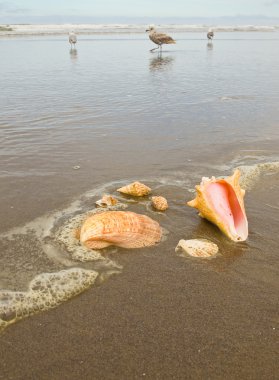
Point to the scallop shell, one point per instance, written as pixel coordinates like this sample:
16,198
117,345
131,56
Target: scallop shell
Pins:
159,203
221,201
107,200
197,247
121,228
137,189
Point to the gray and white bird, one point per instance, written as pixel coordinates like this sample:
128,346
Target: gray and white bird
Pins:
210,34
72,39
159,38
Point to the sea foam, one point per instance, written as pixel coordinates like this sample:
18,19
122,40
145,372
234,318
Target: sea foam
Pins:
60,29
250,174
68,235
45,291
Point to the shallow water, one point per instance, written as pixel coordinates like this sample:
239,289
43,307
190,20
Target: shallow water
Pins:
77,123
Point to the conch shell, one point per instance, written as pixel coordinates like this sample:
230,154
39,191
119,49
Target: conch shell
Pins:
221,201
159,203
137,189
107,200
121,228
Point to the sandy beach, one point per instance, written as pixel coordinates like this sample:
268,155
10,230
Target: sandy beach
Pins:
78,123
162,317
155,320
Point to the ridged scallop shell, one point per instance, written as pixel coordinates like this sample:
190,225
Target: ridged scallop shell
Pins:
121,228
137,189
107,200
197,247
159,203
221,201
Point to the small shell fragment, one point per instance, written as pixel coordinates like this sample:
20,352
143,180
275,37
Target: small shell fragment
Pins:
197,247
159,203
137,189
107,200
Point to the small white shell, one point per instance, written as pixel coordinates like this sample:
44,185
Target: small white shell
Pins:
107,200
197,247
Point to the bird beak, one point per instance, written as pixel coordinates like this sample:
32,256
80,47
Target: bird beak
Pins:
147,30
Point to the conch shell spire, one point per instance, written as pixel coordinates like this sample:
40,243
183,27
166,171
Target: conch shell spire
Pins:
221,201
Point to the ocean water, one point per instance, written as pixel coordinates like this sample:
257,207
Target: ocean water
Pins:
75,124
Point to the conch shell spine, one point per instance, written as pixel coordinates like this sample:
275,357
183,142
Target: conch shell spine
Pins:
221,201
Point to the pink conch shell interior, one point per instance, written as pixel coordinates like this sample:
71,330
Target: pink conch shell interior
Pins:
223,199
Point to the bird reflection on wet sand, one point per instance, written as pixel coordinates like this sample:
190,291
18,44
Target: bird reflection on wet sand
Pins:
160,62
210,46
73,54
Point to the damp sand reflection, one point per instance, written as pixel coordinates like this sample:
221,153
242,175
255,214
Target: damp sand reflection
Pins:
160,62
209,46
73,54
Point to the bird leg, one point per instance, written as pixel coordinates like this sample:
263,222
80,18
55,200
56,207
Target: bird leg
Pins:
155,48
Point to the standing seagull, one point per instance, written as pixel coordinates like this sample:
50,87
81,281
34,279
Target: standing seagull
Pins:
210,34
159,38
72,39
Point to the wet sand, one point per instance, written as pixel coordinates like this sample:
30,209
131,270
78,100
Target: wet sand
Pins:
164,316
159,319
193,111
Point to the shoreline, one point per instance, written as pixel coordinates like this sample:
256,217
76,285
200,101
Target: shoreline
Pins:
62,29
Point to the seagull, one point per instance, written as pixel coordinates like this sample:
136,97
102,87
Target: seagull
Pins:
159,38
210,34
72,39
